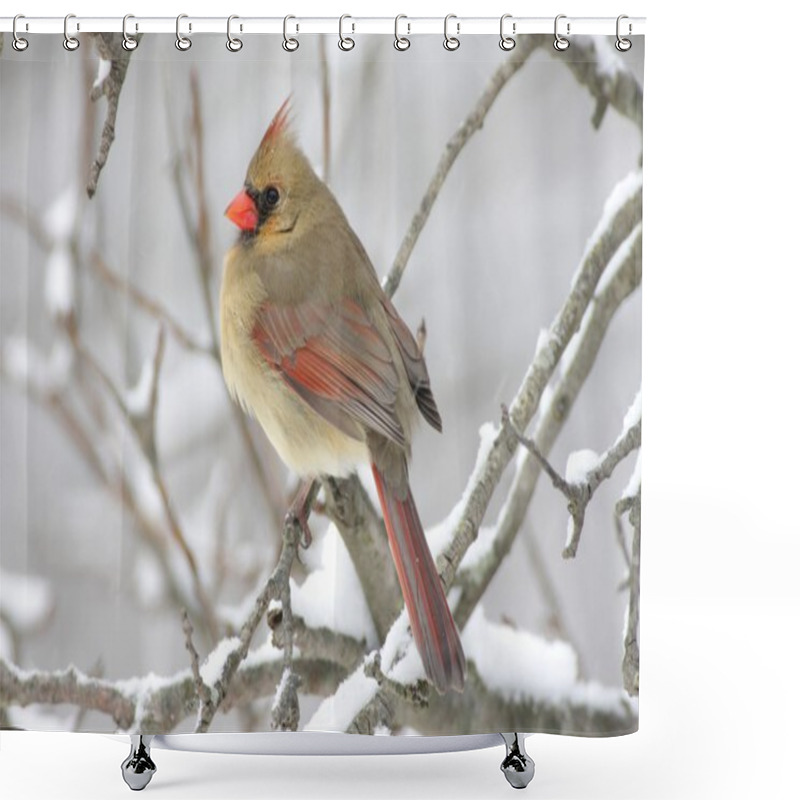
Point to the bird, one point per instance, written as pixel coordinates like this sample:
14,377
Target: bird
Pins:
313,348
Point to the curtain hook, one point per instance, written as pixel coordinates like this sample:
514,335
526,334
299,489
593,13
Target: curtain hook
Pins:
622,44
18,42
401,43
290,44
507,42
346,42
233,44
129,43
560,43
183,43
451,43
71,43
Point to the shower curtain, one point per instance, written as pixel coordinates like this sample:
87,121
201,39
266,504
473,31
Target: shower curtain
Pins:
438,244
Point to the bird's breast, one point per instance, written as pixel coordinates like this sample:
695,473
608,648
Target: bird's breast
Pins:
306,442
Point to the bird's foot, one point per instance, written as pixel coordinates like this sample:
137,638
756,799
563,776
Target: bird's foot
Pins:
298,513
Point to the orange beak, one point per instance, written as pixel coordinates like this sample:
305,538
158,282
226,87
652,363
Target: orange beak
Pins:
242,212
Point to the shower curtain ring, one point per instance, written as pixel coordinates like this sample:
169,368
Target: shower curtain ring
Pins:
401,43
290,44
560,43
451,43
622,44
507,42
19,43
71,43
183,43
233,44
129,43
346,42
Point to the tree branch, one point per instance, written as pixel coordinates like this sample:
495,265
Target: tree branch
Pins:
625,280
519,55
580,492
608,79
364,536
110,49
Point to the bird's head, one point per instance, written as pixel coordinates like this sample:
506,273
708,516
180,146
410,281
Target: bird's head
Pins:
279,186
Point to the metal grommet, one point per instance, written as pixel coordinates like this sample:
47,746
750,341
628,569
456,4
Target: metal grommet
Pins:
507,42
128,42
622,44
346,42
18,42
233,44
560,42
183,43
290,44
70,43
401,43
451,43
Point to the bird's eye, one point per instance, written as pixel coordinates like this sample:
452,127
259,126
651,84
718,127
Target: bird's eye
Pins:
272,195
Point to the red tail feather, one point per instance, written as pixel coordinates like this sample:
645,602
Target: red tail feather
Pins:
432,624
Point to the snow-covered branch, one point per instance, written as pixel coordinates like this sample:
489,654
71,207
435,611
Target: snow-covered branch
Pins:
364,535
576,364
631,503
114,60
596,65
586,471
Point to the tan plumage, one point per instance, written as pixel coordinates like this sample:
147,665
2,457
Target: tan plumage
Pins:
313,348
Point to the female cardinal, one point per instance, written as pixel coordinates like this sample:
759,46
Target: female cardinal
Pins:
314,349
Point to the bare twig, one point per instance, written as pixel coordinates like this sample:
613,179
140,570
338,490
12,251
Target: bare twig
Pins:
110,48
203,691
149,305
525,46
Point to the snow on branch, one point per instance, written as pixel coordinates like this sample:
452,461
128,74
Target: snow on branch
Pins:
555,406
114,60
586,470
598,67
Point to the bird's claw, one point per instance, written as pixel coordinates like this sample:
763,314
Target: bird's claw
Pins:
298,521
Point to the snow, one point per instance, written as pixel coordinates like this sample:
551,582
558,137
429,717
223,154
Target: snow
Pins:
26,601
266,653
518,663
620,194
332,596
579,465
148,578
619,257
103,70
137,399
25,364
281,687
59,219
59,281
440,535
608,62
336,712
633,414
211,669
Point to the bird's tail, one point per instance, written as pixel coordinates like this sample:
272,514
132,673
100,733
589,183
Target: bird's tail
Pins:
432,624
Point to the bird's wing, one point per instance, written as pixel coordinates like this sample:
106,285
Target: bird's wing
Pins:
414,364
335,359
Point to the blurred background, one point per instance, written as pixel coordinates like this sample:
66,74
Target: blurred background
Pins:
490,270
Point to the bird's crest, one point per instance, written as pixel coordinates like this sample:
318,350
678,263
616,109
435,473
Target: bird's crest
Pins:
279,125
